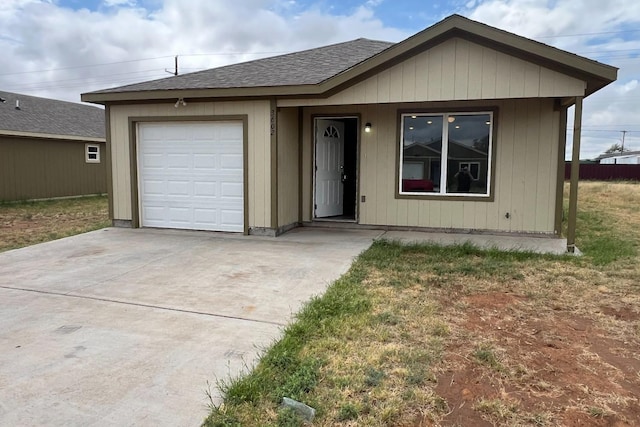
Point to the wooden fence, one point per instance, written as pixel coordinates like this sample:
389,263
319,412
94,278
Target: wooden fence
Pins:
597,172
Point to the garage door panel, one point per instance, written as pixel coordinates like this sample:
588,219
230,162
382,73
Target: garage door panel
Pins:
202,189
191,175
178,161
206,161
152,131
230,133
153,161
230,190
153,187
206,216
231,218
168,131
231,162
154,213
202,131
179,188
180,215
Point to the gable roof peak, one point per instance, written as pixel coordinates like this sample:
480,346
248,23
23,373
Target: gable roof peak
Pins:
319,70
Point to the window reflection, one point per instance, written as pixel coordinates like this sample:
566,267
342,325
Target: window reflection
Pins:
422,148
466,153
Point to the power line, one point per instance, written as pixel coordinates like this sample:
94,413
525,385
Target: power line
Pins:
616,125
588,34
84,66
136,60
280,52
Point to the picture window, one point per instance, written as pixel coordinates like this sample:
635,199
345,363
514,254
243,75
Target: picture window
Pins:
446,154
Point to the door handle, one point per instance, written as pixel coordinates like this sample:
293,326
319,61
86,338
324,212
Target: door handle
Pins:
343,178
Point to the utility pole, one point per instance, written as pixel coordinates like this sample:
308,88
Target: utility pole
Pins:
175,69
624,132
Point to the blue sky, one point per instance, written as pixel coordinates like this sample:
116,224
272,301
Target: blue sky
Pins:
62,48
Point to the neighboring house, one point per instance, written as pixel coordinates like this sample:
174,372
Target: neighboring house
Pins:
50,148
626,158
342,132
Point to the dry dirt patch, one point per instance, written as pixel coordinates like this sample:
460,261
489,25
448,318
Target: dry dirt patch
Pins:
552,367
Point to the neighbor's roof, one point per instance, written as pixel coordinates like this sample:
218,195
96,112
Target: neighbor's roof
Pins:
42,117
618,154
318,72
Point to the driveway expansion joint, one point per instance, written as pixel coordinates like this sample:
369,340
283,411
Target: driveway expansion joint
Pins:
136,304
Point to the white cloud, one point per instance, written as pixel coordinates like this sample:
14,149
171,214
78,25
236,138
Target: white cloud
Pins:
112,3
38,35
604,33
627,87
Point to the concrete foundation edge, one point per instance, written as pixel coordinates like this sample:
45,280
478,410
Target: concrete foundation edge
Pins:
122,223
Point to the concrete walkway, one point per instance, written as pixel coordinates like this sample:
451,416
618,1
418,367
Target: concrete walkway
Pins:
126,327
541,245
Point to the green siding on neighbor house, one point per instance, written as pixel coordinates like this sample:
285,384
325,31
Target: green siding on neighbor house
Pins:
32,168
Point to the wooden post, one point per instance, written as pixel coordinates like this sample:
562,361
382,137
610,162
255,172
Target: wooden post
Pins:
575,175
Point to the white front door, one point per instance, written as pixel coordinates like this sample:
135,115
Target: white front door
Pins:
329,167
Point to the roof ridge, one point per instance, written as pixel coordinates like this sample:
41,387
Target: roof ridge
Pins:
4,93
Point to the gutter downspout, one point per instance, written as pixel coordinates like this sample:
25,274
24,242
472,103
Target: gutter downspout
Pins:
575,175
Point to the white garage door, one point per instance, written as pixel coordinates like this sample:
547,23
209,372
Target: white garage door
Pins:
191,175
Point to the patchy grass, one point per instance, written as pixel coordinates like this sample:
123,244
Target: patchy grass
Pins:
27,223
420,335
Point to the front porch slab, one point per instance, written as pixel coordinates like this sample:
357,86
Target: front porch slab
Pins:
541,245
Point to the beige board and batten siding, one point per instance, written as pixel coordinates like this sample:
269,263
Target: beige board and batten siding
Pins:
526,153
454,70
39,168
259,166
288,167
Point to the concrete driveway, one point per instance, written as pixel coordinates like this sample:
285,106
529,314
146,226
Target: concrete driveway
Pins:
125,327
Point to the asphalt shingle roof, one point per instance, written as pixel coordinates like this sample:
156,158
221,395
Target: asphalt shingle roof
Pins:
307,67
50,116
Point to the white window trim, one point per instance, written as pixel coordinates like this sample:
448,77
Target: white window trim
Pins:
87,153
445,155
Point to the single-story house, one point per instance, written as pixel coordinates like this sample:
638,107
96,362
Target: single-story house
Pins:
50,148
342,132
625,158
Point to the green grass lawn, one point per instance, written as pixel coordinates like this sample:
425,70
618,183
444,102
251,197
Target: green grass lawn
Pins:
383,345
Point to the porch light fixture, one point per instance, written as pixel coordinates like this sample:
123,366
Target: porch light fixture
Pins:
179,102
367,127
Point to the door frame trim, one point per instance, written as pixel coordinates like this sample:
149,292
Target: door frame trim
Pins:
314,119
133,157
